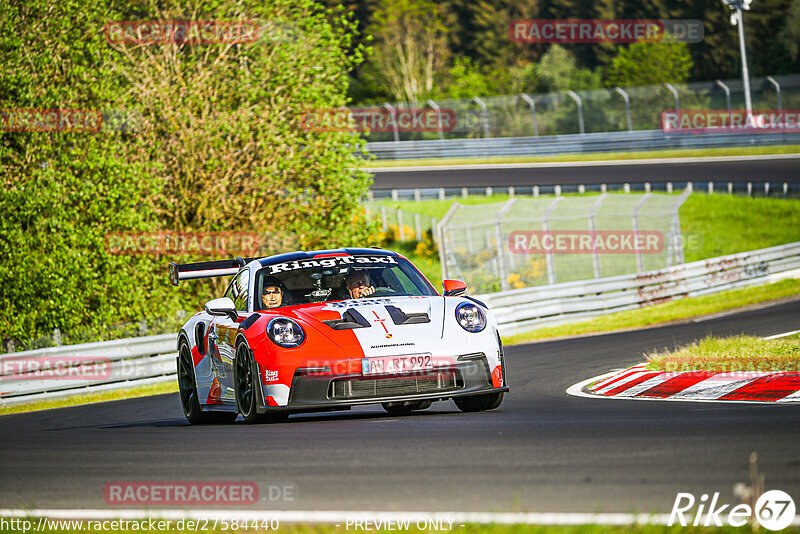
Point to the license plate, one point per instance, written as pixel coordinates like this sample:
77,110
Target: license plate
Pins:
396,364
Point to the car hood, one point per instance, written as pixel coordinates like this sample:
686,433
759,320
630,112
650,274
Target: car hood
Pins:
383,324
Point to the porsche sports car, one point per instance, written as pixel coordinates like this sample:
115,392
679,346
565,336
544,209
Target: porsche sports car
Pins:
331,329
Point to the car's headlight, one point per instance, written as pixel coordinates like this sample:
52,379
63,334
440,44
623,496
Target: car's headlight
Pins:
285,332
470,317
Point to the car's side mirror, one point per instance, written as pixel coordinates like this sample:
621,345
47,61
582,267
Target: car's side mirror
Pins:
222,307
453,288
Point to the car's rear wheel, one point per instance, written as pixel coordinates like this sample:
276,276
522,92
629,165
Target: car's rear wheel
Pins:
479,403
405,408
246,384
188,392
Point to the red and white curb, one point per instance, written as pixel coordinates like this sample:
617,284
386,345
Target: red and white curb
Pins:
639,382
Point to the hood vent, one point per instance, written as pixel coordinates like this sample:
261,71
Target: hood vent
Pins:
398,317
350,319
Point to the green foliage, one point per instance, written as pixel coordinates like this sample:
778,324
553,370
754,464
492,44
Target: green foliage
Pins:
649,64
559,71
217,143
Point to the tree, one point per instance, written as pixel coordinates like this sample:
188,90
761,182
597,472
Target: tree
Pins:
218,142
646,63
410,53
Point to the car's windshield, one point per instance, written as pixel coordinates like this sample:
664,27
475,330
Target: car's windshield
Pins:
337,278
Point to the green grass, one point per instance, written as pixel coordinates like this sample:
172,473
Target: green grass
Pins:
602,156
129,393
667,311
737,353
468,529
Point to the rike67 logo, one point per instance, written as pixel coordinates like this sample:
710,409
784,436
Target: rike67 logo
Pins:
774,510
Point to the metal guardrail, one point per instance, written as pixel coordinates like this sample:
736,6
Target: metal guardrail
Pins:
91,367
74,369
522,310
571,144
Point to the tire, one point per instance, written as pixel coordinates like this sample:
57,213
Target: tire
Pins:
188,393
245,384
479,403
405,408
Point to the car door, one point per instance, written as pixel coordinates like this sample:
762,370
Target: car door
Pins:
224,331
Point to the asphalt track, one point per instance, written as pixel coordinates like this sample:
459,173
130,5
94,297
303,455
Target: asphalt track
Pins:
542,450
776,170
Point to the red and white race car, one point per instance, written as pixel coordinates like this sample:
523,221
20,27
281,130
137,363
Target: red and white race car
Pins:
328,330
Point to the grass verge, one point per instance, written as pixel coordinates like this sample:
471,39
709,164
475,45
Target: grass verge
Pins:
129,393
666,312
737,353
601,156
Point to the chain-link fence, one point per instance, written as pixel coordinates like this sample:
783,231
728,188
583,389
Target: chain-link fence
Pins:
574,112
538,241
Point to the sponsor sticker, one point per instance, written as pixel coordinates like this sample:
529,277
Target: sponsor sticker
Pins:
334,261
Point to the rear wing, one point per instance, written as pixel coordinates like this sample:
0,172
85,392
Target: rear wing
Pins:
205,269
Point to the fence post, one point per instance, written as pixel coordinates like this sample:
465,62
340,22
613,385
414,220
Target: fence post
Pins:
384,222
636,209
395,131
551,264
535,191
772,80
400,229
603,188
143,327
370,195
434,231
626,187
464,192
489,191
727,100
749,189
647,187
785,189
669,187
532,104
578,101
394,195
581,189
57,337
674,95
417,227
627,107
730,188
416,194
766,189
484,116
593,229
441,193
557,190
435,107
511,191
710,188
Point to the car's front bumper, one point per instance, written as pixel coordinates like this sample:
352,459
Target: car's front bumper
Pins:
470,375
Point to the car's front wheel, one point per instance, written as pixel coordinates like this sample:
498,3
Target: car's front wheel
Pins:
188,392
246,383
479,403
